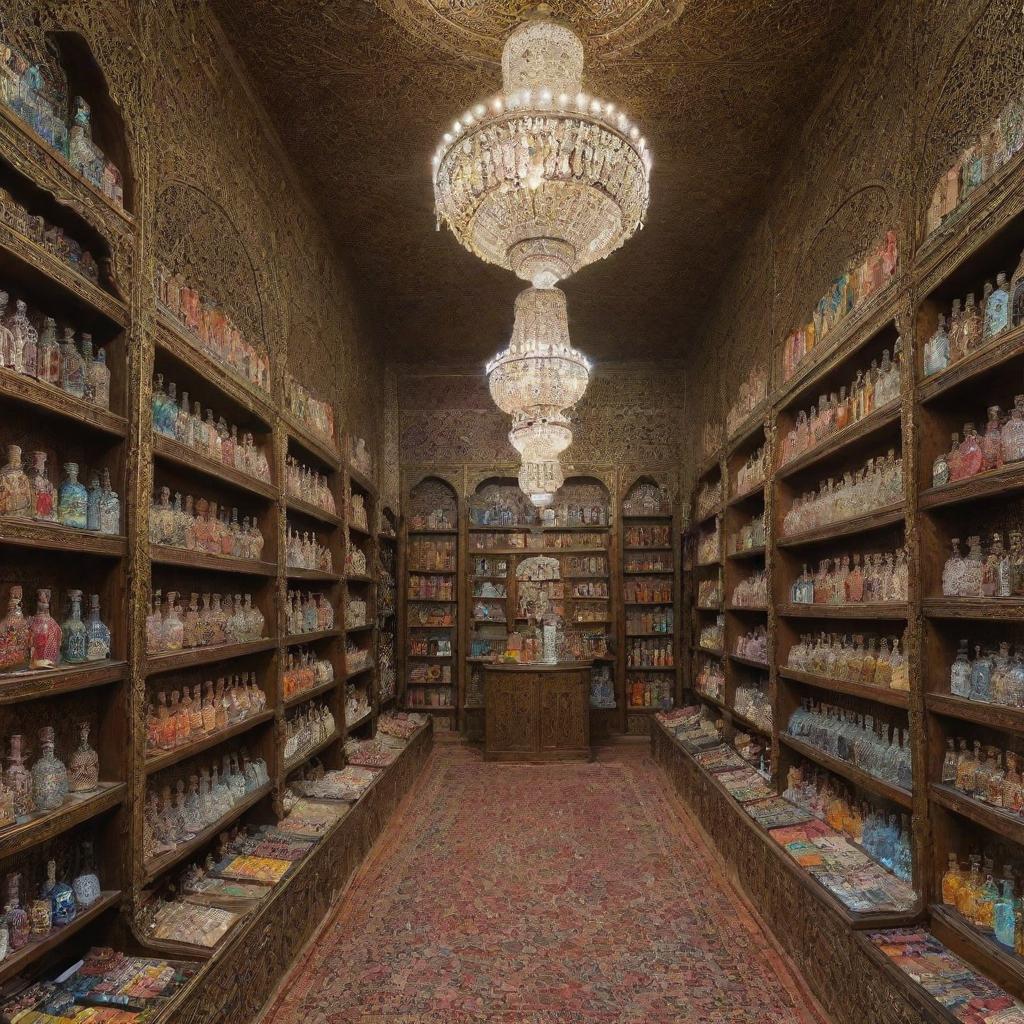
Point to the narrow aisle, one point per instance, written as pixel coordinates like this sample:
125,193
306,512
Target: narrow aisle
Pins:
541,895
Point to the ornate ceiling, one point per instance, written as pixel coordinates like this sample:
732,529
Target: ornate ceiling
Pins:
360,92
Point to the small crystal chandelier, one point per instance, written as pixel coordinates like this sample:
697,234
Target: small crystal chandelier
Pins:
542,180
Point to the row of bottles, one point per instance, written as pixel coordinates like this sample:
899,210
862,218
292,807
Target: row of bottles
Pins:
490,567
648,537
304,551
314,413
711,679
712,637
972,326
647,591
356,612
883,579
835,656
753,645
305,671
654,653
709,592
308,485
753,472
209,437
355,561
751,592
709,545
851,290
654,561
995,573
993,677
305,728
307,613
984,773
655,620
427,555
73,366
649,690
884,837
431,614
484,611
754,703
54,907
206,622
587,589
356,657
584,566
430,645
750,393
26,793
212,325
97,508
434,519
432,588
357,513
990,907
879,749
211,794
357,704
179,718
748,536
429,697
709,499
878,483
200,525
871,389
1002,442
647,499
40,642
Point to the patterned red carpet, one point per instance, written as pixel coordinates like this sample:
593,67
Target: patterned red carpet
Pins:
541,895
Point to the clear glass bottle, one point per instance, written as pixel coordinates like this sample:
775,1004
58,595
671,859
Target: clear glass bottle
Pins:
74,639
72,366
97,633
84,768
15,489
48,354
18,923
86,884
49,776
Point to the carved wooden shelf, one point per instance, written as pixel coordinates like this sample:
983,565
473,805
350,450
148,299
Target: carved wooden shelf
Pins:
1005,823
747,724
995,716
636,572
737,556
54,537
642,604
425,532
175,338
31,685
310,638
714,651
757,491
749,662
751,426
1003,608
165,555
639,517
879,694
169,450
751,609
717,701
314,444
629,633
888,515
75,810
369,667
313,511
361,530
890,610
205,655
319,575
154,868
310,752
364,718
1005,347
368,625
18,960
361,480
75,285
29,391
314,691
707,517
951,927
850,772
163,758
997,482
875,422
652,668
647,547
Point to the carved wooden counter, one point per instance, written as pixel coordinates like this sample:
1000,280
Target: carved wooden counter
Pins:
537,712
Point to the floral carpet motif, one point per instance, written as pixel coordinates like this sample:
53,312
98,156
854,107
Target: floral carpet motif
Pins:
557,894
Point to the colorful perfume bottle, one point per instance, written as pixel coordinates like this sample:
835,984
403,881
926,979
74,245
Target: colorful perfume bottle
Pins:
98,635
15,489
61,896
44,498
17,920
14,635
84,768
45,634
74,639
49,776
74,500
86,884
19,780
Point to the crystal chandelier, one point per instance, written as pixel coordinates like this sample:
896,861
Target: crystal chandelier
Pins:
542,180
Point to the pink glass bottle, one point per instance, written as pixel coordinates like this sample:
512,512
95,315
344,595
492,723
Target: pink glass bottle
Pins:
14,635
45,634
44,503
992,442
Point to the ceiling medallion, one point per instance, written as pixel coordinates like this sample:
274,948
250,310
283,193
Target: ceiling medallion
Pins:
541,180
477,29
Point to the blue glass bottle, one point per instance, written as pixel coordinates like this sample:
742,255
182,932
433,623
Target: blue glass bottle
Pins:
62,899
74,500
97,634
1004,916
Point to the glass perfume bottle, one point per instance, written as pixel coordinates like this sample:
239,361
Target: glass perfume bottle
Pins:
173,627
63,908
15,489
72,366
84,768
97,633
75,640
86,884
109,507
74,500
18,924
92,506
48,354
49,776
14,635
44,504
45,634
98,379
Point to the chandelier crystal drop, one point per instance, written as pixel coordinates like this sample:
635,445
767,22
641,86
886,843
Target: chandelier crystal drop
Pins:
540,479
543,179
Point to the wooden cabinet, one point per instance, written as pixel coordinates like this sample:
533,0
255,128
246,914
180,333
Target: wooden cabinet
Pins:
537,712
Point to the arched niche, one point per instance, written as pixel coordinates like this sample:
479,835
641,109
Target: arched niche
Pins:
432,505
498,501
196,239
646,496
583,500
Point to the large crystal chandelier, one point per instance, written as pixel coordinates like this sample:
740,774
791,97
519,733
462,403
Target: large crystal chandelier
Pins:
542,180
